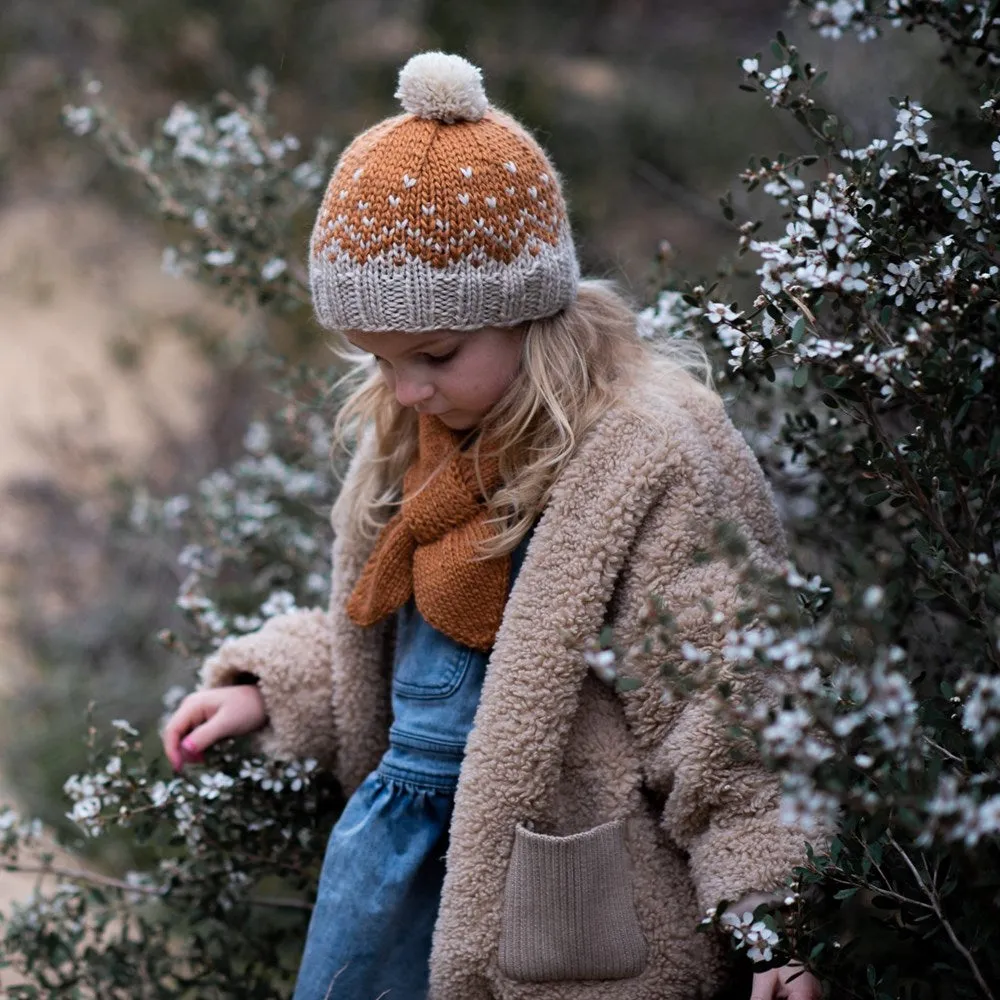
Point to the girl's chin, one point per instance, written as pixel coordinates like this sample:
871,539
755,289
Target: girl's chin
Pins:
457,421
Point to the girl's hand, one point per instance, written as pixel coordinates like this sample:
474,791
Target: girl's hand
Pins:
775,985
205,717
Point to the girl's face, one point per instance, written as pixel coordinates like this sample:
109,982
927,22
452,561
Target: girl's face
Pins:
457,375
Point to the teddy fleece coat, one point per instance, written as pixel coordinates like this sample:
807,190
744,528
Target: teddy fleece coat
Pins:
592,827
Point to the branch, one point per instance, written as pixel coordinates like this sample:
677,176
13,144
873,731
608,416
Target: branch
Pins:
106,882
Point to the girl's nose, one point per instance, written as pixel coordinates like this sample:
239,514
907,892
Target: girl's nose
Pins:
411,392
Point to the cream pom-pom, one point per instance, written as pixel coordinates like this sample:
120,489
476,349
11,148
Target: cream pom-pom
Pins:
444,87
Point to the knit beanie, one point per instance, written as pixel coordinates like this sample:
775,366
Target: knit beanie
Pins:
449,216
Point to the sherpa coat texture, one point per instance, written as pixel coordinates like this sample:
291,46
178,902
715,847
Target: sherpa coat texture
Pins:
561,770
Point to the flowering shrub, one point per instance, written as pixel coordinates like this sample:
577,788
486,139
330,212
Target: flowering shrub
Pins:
236,188
866,364
874,338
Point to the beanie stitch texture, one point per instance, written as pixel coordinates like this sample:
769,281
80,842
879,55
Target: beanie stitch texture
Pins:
447,217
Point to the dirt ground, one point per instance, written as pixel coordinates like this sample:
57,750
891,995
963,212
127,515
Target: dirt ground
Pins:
74,279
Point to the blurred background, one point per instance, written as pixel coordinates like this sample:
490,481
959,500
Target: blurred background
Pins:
112,371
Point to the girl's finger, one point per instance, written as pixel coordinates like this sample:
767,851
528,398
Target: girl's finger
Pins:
214,728
765,986
189,715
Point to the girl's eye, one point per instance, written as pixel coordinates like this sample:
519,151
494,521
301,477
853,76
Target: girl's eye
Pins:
440,359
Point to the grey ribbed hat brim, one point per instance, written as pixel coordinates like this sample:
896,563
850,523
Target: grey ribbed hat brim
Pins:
415,296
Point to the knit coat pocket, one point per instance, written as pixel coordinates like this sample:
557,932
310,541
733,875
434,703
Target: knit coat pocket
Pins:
568,910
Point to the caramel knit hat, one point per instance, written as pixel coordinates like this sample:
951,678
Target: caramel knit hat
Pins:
447,217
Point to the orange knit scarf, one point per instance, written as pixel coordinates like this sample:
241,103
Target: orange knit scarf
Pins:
428,549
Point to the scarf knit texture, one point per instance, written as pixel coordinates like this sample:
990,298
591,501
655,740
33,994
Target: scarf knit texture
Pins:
429,549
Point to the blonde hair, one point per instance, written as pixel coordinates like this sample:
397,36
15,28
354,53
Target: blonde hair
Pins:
574,367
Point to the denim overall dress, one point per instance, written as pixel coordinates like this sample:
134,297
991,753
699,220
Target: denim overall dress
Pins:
379,890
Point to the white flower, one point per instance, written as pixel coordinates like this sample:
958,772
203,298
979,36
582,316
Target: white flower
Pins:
694,655
760,950
213,784
805,806
86,808
247,623
754,935
996,149
307,175
171,263
602,662
832,18
981,711
279,603
719,311
160,792
751,66
787,732
181,120
79,120
219,258
254,772
911,119
873,597
257,439
901,277
776,81
274,268
729,336
670,317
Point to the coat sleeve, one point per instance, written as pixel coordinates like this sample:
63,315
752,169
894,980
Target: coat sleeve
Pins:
721,808
289,660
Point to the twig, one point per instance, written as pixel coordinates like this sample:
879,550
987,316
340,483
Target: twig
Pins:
691,200
942,750
939,913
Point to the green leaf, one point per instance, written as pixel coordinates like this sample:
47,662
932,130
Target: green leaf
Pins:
798,329
993,590
874,499
627,683
845,893
801,377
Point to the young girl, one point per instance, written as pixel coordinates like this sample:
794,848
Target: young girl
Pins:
526,473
